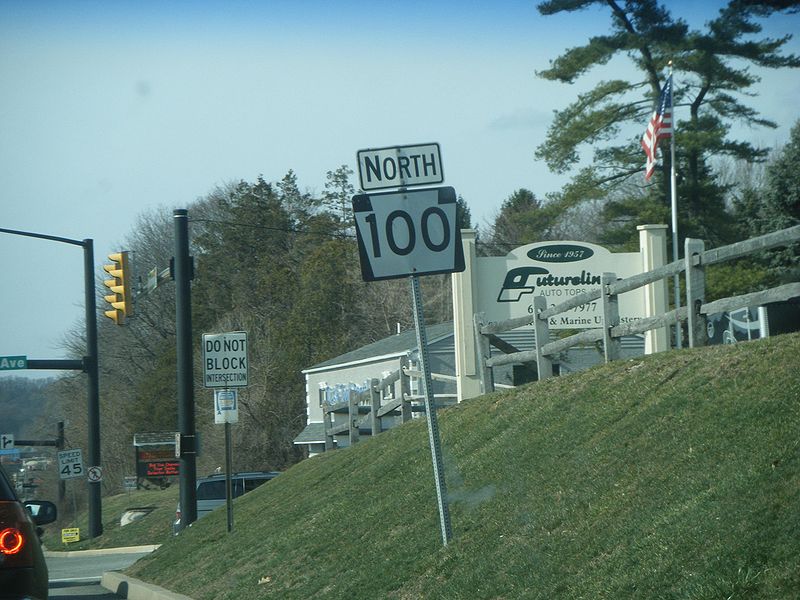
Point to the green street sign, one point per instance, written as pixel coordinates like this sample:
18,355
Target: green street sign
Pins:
8,363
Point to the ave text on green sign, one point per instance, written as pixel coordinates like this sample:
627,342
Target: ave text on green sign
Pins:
8,363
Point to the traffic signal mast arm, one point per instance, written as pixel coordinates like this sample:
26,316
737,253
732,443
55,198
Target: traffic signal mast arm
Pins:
121,298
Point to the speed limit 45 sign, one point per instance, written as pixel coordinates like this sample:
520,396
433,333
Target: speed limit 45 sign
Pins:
70,464
411,232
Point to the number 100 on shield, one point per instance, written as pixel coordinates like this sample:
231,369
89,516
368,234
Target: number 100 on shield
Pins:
406,233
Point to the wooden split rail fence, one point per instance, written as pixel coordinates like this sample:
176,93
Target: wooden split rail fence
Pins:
694,312
366,411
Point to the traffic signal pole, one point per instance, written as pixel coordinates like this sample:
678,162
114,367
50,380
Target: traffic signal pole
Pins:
88,365
95,518
182,264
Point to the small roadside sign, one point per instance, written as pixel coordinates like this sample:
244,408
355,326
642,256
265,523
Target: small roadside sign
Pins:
412,232
226,406
70,534
225,359
70,464
400,166
7,441
129,483
94,474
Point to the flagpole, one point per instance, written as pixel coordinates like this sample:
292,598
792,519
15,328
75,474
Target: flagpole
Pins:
674,206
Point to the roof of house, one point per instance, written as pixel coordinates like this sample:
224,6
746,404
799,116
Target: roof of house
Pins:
314,433
394,345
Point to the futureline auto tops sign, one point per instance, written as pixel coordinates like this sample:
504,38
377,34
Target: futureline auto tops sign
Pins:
558,271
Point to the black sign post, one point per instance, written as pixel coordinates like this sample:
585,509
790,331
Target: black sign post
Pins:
187,448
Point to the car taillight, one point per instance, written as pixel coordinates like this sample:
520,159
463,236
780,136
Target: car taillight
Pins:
16,529
11,540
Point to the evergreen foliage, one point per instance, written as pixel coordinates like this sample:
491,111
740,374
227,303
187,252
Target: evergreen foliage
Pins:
712,74
522,219
776,205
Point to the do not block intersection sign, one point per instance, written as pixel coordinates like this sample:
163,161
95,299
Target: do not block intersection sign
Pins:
225,359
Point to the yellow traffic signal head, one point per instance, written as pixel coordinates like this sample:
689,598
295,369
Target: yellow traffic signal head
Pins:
121,298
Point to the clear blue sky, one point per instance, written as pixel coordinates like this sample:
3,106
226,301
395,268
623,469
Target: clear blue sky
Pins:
110,109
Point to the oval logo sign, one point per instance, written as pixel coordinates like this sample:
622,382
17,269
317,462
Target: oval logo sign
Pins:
560,253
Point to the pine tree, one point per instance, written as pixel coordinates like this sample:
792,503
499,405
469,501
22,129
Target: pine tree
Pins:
712,74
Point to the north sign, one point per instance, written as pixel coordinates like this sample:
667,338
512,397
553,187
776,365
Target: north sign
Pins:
225,359
412,232
400,166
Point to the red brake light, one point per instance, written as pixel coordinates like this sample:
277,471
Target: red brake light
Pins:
11,540
16,530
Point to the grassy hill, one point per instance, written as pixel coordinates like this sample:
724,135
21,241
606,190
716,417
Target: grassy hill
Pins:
673,476
155,528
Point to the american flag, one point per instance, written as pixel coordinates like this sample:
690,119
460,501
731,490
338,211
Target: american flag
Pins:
660,126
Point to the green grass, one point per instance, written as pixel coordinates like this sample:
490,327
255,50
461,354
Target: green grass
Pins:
155,528
673,476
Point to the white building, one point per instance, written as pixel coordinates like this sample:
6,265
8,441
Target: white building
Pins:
332,381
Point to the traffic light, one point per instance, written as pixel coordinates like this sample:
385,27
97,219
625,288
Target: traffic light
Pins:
121,299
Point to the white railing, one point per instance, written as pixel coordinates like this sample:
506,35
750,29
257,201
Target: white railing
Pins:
367,406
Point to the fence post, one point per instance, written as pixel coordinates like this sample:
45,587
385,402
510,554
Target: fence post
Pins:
328,423
611,345
375,405
484,352
695,292
653,248
541,330
352,416
405,391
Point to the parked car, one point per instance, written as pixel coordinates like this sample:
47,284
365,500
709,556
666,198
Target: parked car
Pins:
23,571
211,491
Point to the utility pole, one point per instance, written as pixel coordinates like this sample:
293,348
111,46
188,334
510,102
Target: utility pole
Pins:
182,270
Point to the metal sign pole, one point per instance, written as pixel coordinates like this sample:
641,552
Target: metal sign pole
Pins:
430,412
228,480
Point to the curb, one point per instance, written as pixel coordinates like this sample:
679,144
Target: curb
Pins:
133,589
100,551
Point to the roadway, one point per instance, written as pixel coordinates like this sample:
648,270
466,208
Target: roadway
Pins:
77,575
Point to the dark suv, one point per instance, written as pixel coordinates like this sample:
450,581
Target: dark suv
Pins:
211,491
23,571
